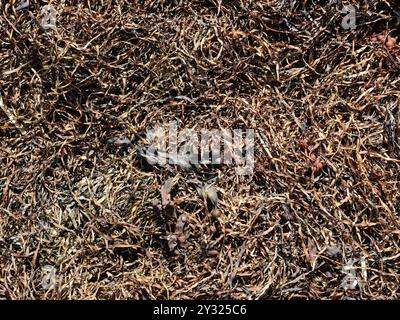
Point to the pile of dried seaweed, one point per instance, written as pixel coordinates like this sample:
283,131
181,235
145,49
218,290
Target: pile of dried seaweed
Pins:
83,215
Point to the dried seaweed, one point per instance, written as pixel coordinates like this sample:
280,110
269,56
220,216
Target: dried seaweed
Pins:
82,216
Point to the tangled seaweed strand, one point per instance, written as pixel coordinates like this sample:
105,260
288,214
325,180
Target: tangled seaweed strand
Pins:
84,216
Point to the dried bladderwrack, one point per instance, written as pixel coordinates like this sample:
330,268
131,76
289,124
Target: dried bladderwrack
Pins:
317,166
332,251
168,207
178,238
180,224
172,242
285,81
212,253
167,203
388,42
